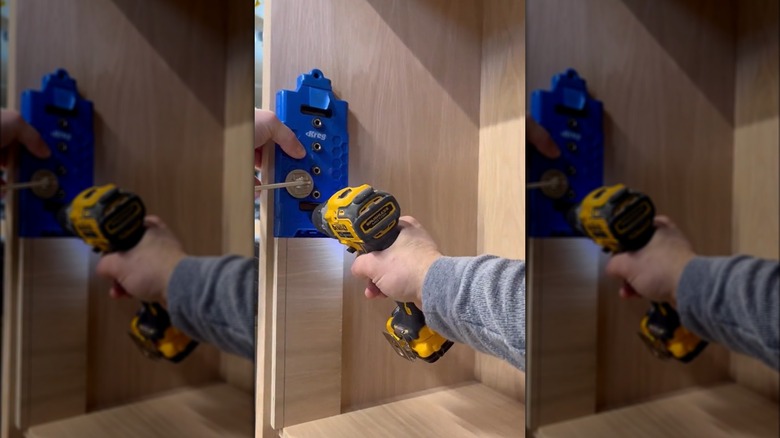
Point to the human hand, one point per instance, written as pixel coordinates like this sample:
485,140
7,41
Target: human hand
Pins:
399,271
144,271
13,130
654,271
268,128
541,139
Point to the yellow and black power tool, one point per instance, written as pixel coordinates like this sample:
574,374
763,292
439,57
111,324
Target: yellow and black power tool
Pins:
619,219
366,220
109,220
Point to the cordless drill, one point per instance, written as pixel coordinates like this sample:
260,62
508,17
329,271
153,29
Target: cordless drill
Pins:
109,220
619,219
366,220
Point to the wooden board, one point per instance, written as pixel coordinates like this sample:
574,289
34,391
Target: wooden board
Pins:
50,374
501,201
561,283
756,158
665,73
412,84
156,74
307,331
722,411
238,201
467,410
217,411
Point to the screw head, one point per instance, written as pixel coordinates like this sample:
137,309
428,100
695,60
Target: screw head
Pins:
571,146
317,123
62,146
316,194
316,170
572,123
62,123
316,147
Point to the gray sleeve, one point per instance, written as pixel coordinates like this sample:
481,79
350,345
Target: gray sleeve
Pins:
734,301
214,300
479,301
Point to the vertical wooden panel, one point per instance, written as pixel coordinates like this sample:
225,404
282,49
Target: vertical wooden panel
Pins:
410,72
238,197
756,158
501,202
155,72
665,72
562,297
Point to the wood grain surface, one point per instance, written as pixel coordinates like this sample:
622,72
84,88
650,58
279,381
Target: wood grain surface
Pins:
156,74
467,410
665,72
215,411
501,199
412,80
756,158
307,329
723,411
51,380
562,279
238,201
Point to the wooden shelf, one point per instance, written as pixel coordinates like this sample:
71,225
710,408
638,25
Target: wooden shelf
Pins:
727,410
472,409
213,411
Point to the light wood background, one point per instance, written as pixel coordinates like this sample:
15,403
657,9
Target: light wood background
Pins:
167,107
501,201
756,158
412,81
665,72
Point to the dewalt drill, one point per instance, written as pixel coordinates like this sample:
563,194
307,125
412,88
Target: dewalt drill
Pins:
109,220
619,219
365,220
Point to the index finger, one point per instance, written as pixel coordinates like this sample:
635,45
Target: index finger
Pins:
540,138
269,127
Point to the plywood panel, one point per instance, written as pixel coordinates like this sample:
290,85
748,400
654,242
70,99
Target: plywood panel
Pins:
723,411
52,377
665,72
156,74
238,210
501,202
468,410
214,411
412,83
756,158
307,329
562,280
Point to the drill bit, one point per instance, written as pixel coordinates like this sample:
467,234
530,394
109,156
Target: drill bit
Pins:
27,185
282,185
542,184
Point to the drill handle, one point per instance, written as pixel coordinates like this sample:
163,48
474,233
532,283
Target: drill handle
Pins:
383,242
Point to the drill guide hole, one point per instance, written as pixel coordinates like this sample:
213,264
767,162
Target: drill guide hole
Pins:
316,147
316,194
317,123
316,170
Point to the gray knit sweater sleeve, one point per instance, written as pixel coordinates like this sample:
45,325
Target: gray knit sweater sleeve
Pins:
214,300
734,301
479,301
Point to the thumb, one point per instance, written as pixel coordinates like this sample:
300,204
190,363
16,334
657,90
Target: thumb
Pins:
365,265
619,266
109,266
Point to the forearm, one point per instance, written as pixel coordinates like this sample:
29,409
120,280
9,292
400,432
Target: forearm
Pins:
734,301
214,300
479,301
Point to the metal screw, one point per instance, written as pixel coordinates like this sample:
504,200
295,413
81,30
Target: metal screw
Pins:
62,123
62,146
317,123
572,146
316,147
316,194
572,123
316,170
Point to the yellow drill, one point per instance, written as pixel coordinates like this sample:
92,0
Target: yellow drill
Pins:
109,220
365,220
619,219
